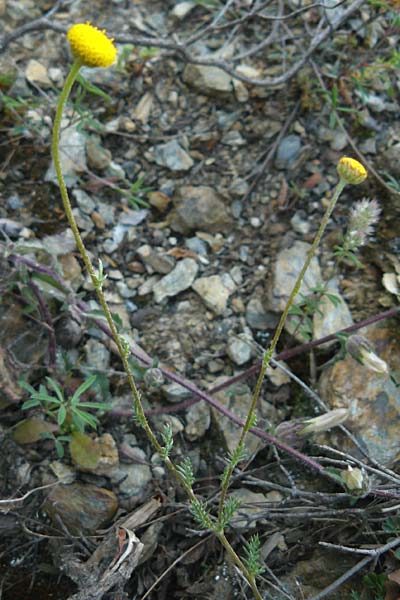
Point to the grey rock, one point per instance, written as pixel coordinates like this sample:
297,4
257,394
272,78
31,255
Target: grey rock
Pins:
84,201
199,208
182,9
178,280
136,477
339,141
256,315
198,418
215,291
239,350
154,261
36,73
288,151
210,81
124,290
97,355
239,187
233,138
288,265
172,156
175,393
300,223
83,221
331,317
73,156
373,399
98,156
159,422
236,398
251,504
197,245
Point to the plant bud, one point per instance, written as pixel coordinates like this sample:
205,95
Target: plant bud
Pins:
360,349
294,431
354,479
330,419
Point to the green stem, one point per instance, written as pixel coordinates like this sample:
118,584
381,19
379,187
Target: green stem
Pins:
82,250
235,558
269,353
117,339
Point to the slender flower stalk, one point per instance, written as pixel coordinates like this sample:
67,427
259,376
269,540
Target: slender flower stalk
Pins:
350,172
93,48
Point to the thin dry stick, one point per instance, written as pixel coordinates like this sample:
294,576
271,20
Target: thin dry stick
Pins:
181,48
336,584
173,565
350,140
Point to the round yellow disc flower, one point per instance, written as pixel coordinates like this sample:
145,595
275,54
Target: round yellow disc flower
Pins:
91,46
351,171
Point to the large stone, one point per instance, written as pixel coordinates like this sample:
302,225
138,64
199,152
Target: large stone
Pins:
199,209
331,316
178,280
36,73
72,154
288,265
237,398
373,399
81,508
211,81
215,291
172,156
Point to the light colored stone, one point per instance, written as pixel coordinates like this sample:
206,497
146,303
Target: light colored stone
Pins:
251,504
199,209
237,398
331,317
143,109
373,399
239,349
173,156
72,153
288,265
98,156
211,81
36,73
215,291
197,421
178,280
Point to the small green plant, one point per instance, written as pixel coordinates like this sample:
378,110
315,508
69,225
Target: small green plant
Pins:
122,59
333,98
307,306
252,558
71,413
375,583
81,110
135,192
392,181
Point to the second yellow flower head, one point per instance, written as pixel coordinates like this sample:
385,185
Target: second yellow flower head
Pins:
351,171
91,46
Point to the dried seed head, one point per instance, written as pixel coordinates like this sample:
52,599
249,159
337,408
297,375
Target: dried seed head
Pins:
351,171
91,46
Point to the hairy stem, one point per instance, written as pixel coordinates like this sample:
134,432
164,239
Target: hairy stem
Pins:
269,353
122,350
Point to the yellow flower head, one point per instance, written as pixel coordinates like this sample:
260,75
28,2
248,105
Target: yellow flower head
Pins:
91,46
351,171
